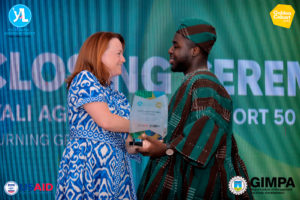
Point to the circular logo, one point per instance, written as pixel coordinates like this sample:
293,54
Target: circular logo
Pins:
11,188
237,185
19,15
158,105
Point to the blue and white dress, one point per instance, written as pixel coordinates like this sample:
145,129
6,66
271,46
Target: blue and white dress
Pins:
95,163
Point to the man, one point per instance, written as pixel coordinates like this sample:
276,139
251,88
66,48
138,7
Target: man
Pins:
199,155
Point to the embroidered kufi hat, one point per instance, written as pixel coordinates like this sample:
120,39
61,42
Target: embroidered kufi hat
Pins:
200,32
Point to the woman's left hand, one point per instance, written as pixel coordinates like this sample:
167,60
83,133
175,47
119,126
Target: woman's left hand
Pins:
130,148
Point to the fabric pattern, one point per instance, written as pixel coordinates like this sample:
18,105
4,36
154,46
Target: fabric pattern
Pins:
198,31
95,163
200,131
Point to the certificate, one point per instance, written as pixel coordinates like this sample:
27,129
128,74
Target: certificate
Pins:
149,114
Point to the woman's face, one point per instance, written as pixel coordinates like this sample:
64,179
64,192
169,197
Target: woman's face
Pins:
113,57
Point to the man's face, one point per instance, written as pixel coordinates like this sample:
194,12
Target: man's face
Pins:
180,54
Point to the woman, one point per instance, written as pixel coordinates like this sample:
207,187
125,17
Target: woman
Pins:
95,163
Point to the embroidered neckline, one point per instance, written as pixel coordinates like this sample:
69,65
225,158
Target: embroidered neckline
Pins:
193,72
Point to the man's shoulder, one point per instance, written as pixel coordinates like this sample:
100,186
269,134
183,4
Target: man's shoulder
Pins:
203,78
205,75
208,81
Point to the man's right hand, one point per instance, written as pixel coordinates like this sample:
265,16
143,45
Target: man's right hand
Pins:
152,147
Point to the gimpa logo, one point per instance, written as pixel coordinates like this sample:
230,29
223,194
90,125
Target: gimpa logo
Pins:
237,185
282,15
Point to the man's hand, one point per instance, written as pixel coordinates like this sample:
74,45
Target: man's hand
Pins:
152,147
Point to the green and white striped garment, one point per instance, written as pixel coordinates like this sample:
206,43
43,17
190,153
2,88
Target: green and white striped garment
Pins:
200,131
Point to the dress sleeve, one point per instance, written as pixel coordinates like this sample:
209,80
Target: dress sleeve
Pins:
87,89
207,122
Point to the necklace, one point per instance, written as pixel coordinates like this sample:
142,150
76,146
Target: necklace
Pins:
193,72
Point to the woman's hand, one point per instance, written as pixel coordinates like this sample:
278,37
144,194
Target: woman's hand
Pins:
130,148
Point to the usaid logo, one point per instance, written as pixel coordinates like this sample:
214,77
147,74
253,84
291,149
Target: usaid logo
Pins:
11,188
19,15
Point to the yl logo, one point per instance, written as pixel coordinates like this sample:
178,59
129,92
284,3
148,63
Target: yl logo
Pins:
19,15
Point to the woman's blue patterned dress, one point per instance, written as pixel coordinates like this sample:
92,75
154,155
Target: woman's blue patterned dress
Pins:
95,164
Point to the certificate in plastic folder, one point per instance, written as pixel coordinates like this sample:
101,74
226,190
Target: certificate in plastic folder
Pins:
149,115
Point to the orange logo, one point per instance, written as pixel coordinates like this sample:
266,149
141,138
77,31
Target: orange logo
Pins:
282,15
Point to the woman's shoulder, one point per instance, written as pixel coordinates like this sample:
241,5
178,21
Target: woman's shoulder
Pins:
85,77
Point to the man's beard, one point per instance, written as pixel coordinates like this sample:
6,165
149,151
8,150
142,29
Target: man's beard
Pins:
180,66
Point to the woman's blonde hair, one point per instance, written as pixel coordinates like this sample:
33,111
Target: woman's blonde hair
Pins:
90,56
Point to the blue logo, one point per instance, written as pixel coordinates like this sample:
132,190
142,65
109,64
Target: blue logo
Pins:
19,15
11,188
237,185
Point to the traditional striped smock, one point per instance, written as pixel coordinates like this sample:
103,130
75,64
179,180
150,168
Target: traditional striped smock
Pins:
200,130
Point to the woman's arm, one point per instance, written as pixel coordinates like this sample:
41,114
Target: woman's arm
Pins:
101,114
